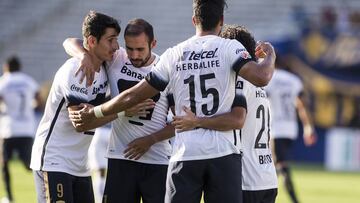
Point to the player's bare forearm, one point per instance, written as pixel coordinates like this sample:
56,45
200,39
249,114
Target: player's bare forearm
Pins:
227,121
74,47
80,125
303,113
130,97
260,73
98,122
140,146
167,132
95,123
223,122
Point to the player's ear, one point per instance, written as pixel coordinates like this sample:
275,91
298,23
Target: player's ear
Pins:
153,44
91,41
193,21
222,20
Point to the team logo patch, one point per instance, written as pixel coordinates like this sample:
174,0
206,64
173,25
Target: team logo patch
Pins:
243,53
239,85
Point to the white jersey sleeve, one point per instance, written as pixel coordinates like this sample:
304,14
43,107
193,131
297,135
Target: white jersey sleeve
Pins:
238,55
258,171
98,147
159,77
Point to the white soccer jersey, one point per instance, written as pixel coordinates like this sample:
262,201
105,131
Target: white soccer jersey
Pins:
98,147
202,71
258,172
122,76
17,91
57,146
283,90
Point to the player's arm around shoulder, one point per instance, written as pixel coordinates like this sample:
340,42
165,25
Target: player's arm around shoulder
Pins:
80,125
76,96
86,69
223,122
260,73
140,146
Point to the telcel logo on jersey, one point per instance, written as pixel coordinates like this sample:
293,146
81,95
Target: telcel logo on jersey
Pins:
197,56
75,88
191,60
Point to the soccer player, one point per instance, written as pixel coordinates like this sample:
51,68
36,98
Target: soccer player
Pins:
138,150
60,153
259,180
259,173
17,125
286,97
97,160
201,72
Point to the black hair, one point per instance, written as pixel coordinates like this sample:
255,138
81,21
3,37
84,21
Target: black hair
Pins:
137,26
208,13
95,24
241,34
13,63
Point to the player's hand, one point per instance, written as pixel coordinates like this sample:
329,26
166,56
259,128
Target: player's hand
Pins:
82,116
138,147
263,49
187,122
86,69
310,140
309,135
141,109
74,115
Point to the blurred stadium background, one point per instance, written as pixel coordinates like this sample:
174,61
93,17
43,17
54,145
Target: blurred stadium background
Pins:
317,39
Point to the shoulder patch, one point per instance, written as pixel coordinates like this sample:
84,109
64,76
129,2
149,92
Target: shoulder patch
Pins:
239,84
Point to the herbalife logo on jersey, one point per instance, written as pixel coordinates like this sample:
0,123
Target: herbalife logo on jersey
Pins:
203,54
192,60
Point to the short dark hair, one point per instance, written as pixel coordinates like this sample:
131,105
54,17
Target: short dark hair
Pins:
96,23
137,26
208,12
13,63
241,34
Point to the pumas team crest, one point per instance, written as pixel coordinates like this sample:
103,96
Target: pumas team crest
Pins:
243,53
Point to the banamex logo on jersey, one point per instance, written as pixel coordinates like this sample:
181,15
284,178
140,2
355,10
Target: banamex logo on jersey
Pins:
131,73
97,90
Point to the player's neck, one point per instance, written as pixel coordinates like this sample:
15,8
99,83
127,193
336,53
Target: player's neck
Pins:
150,61
96,61
201,32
